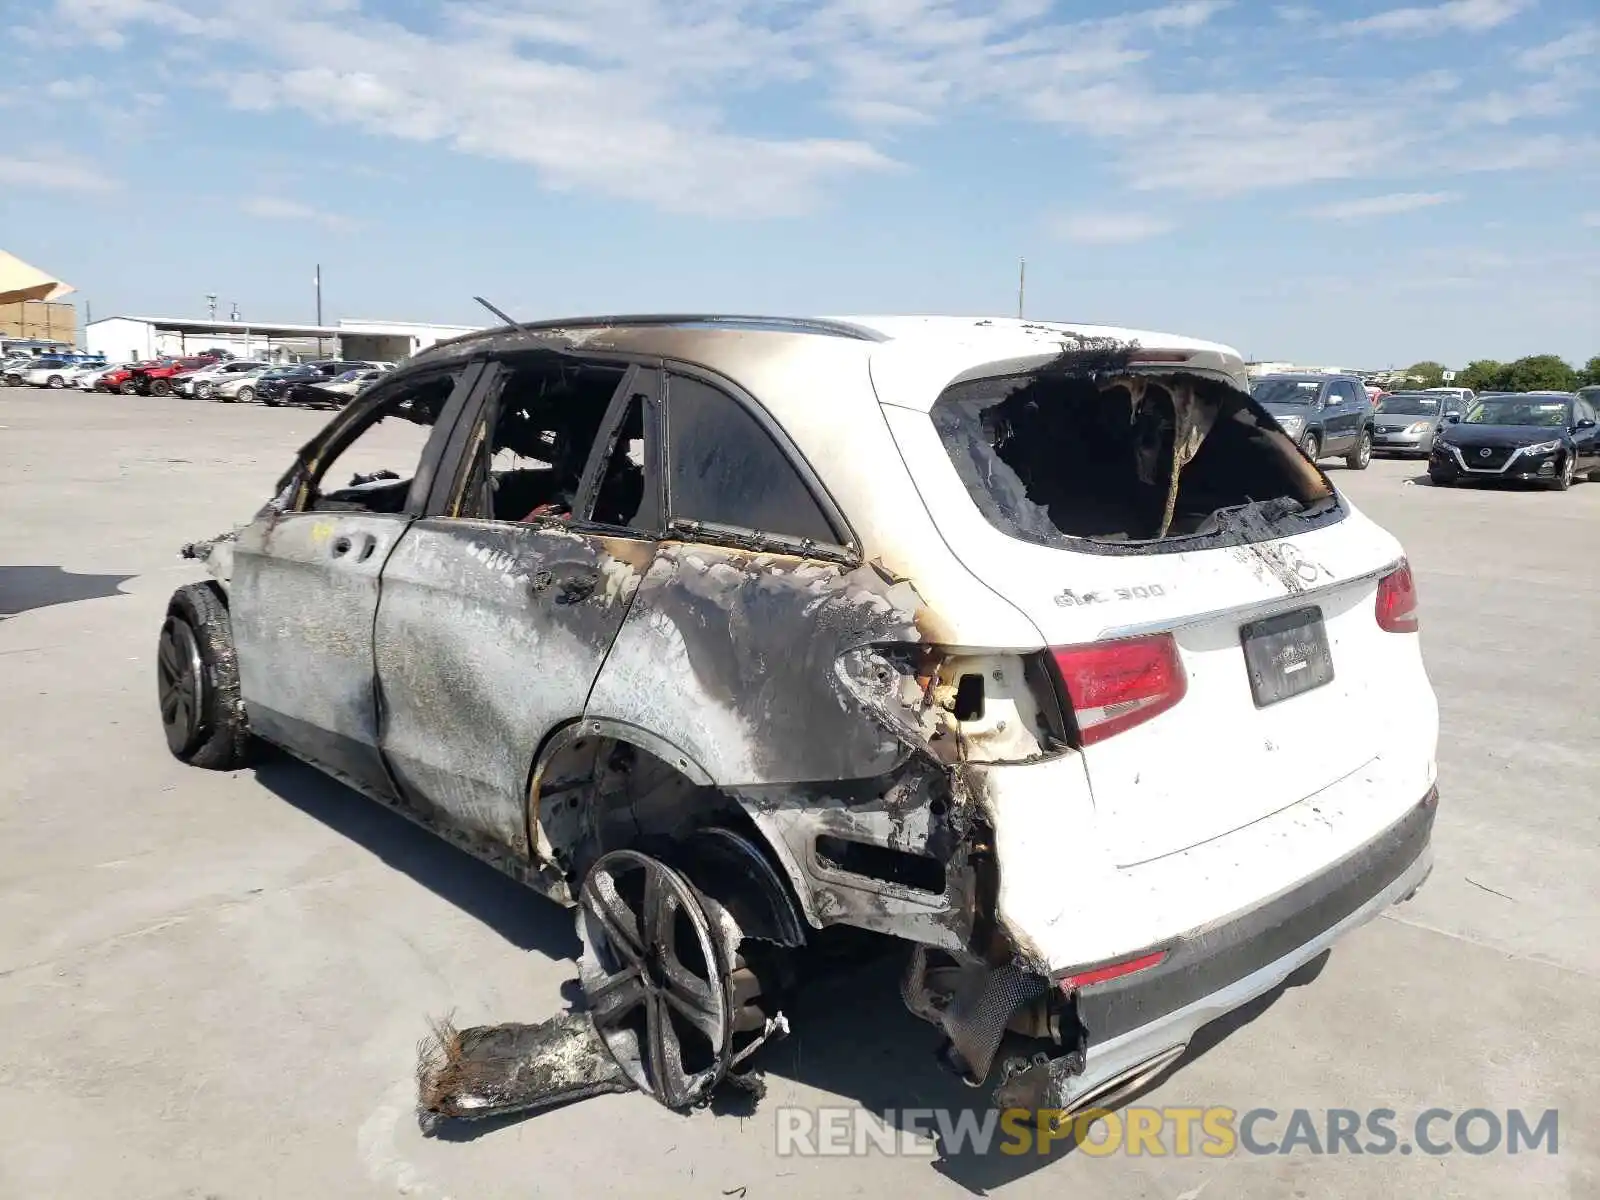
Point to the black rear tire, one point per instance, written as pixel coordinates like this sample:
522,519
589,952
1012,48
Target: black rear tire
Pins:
197,677
1359,458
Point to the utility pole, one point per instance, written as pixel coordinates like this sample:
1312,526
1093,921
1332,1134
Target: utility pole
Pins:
1022,284
317,282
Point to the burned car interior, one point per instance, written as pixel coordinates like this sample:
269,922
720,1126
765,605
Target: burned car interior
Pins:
384,489
1057,455
546,415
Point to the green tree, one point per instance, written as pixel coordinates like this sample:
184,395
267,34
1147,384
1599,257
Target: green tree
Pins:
1482,375
1540,373
1591,370
1425,374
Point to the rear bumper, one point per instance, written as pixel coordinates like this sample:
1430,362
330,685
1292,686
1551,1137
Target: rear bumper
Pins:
1148,1017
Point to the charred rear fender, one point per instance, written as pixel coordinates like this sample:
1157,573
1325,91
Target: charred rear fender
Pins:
885,855
894,856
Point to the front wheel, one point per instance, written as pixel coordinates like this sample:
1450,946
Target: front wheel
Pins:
129,388
160,387
245,394
197,682
1311,446
1565,476
55,382
1359,458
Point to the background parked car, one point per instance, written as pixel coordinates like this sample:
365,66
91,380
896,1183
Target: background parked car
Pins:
283,387
1464,396
57,370
199,383
1543,437
239,388
1407,422
337,392
93,380
118,379
1324,414
157,380
42,372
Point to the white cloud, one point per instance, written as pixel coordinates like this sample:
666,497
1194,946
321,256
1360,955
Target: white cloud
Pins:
1580,43
686,124
1108,229
1381,206
1591,220
71,89
1472,16
277,208
644,99
54,175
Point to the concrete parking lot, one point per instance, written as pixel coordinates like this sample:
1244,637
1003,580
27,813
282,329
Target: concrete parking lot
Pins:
213,985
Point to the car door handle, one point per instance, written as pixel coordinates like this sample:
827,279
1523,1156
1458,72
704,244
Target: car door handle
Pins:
360,547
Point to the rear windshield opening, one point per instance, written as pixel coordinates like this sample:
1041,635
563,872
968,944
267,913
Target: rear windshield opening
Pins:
1058,458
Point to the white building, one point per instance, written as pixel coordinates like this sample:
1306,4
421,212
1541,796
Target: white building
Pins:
123,339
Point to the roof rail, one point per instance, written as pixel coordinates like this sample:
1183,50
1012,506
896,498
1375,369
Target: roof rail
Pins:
815,325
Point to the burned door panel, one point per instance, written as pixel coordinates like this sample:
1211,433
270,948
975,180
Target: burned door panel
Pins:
303,593
733,657
489,636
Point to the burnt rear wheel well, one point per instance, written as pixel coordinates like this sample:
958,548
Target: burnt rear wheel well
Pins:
597,788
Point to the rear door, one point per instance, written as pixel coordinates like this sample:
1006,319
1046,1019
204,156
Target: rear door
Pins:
500,604
305,583
1343,417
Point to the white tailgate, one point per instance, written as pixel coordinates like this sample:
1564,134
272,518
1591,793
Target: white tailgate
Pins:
1214,762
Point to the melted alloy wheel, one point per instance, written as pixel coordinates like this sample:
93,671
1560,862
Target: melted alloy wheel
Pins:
179,680
655,979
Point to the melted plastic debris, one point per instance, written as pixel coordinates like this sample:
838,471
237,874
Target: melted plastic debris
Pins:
494,1070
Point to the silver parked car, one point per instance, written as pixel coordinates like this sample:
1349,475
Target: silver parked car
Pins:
1407,422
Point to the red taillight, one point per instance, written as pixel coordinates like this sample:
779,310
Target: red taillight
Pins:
1080,979
1397,600
1117,685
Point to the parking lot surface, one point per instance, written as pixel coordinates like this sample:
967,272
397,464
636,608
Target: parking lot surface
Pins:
213,985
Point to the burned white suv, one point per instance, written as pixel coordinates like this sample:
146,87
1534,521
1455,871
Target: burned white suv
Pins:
1037,647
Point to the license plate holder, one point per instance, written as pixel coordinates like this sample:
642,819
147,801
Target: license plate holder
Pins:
1286,655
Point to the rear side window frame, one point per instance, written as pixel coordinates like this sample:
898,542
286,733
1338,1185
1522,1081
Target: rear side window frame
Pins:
846,548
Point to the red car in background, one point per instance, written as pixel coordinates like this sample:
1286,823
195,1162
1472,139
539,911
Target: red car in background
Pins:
155,379
113,381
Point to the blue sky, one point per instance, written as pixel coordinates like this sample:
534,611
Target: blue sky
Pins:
1352,182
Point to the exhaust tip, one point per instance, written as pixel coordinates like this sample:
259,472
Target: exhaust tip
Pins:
1114,1091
